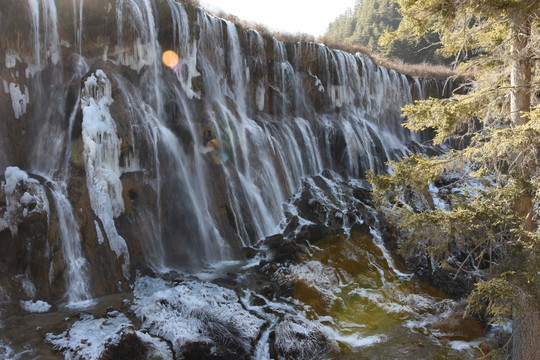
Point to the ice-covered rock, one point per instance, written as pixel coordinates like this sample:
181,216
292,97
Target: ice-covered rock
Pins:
24,197
196,317
89,338
298,338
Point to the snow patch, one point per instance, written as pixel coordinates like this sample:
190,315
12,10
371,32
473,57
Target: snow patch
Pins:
35,306
19,99
26,199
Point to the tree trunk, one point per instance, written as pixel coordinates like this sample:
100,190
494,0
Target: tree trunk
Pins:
520,99
520,67
526,338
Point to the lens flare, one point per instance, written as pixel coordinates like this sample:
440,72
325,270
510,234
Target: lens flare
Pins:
170,58
214,153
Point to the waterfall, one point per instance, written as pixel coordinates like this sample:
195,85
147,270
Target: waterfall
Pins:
179,167
77,276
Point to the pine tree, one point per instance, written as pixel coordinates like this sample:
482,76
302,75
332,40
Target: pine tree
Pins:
494,171
366,24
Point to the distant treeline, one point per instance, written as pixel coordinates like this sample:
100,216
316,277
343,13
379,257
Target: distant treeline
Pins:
367,22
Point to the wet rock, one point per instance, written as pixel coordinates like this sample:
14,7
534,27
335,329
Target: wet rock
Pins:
225,282
330,205
198,350
249,252
129,347
284,250
444,280
314,232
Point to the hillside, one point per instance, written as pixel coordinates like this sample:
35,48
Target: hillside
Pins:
366,24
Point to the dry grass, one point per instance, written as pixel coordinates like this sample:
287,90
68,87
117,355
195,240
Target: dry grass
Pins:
192,2
423,70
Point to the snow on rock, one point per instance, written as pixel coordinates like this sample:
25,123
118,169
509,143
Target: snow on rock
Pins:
14,176
195,312
35,306
24,197
89,338
102,159
19,99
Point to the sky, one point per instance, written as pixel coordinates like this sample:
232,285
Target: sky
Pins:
292,16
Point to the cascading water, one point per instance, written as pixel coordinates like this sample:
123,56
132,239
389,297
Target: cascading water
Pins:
223,138
158,168
78,280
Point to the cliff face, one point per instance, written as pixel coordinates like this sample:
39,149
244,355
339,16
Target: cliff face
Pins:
116,163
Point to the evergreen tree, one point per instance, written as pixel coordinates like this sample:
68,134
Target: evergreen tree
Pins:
370,20
495,172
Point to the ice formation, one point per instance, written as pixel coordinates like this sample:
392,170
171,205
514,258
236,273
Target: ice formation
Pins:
102,160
